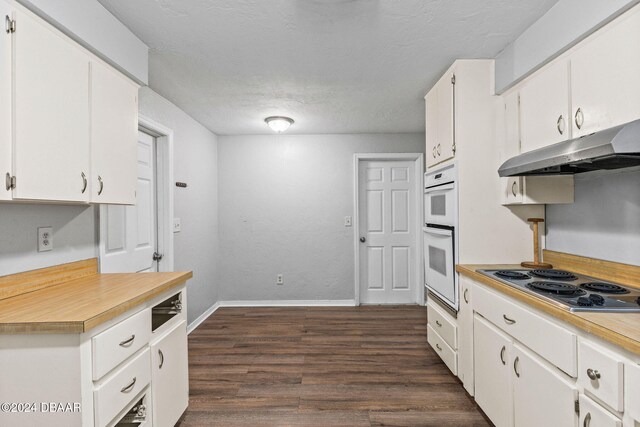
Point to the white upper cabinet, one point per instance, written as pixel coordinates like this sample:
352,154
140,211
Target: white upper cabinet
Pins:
51,114
114,131
544,107
605,83
440,123
6,171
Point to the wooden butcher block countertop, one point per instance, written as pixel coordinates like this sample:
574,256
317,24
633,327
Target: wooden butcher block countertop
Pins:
621,329
74,298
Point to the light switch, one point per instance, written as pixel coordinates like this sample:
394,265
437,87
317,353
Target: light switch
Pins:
45,239
347,221
176,225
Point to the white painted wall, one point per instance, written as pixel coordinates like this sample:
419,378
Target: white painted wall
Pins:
195,162
563,26
74,235
282,203
91,25
604,221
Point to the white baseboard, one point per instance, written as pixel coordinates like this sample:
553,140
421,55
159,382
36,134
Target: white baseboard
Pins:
204,316
290,303
270,303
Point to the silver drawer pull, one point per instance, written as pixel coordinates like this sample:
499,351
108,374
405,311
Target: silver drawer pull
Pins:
593,374
513,188
465,295
128,341
579,118
127,389
515,366
438,347
587,420
161,358
438,323
504,348
509,321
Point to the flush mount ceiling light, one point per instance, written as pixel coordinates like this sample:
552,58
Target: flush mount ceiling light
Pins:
279,123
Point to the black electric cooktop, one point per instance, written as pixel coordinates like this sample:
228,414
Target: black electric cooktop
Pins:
572,291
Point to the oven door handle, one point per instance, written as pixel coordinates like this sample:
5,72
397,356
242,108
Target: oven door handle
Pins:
442,187
438,231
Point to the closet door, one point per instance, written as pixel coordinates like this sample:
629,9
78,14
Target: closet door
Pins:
51,95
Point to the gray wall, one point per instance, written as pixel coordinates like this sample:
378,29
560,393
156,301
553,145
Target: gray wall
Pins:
283,199
564,25
195,162
604,221
74,235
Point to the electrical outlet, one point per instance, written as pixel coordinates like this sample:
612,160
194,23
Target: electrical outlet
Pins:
280,279
176,225
45,239
347,221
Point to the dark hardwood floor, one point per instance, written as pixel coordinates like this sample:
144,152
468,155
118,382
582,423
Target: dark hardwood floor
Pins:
352,366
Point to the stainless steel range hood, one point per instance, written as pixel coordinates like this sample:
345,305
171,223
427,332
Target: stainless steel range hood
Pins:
614,148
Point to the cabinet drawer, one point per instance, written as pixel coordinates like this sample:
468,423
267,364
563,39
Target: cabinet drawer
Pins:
446,353
632,392
118,391
555,344
116,344
601,373
592,414
442,324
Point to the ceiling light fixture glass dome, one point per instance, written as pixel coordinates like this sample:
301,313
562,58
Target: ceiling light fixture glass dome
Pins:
279,123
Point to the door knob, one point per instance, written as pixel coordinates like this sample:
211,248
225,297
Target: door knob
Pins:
363,239
157,256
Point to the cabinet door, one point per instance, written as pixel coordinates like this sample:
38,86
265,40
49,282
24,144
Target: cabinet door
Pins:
465,336
169,376
544,107
592,414
604,76
492,370
5,106
541,394
51,95
431,126
114,132
445,143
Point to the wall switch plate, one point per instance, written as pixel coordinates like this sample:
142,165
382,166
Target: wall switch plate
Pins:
176,225
347,221
280,279
45,239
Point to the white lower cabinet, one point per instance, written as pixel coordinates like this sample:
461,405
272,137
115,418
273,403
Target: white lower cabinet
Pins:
542,395
592,414
465,336
169,376
492,372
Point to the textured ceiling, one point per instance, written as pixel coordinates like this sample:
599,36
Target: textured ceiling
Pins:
334,66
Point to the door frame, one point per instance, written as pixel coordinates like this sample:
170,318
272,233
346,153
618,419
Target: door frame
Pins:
164,188
419,187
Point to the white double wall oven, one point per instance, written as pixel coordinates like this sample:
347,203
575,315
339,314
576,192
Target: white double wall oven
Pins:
439,233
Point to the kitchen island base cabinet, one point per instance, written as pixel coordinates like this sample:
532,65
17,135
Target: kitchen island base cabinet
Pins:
170,377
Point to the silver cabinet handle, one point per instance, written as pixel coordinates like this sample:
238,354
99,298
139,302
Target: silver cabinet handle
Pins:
579,118
438,149
593,374
434,152
587,420
8,182
513,188
127,388
504,348
464,295
84,182
128,341
363,239
101,185
438,347
161,359
515,366
560,124
509,321
439,324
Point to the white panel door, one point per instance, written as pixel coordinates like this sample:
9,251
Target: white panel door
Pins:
114,132
170,376
5,106
604,76
542,396
387,223
544,107
128,233
51,114
492,370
